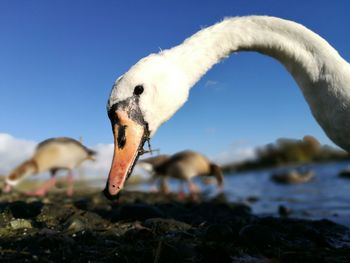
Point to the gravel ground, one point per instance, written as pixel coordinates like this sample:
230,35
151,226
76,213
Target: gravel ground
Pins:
151,227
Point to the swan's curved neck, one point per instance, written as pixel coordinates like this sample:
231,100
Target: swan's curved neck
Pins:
313,63
298,48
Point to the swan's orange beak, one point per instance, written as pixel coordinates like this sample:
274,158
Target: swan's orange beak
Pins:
129,137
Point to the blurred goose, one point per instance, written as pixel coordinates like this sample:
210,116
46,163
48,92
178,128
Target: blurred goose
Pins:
292,177
158,85
149,164
51,155
184,166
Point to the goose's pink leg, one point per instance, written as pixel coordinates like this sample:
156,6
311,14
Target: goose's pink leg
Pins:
70,183
42,191
7,188
181,194
194,190
163,185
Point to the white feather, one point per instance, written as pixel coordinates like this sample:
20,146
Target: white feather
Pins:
321,73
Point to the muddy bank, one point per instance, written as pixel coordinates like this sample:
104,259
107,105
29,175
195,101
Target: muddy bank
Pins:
149,227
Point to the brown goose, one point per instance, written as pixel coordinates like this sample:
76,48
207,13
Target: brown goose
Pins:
184,166
149,165
51,155
292,177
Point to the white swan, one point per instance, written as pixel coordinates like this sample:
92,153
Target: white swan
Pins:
158,85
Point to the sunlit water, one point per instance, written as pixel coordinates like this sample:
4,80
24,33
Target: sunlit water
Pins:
325,196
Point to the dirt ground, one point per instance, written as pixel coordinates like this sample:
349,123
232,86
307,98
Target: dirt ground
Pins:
151,227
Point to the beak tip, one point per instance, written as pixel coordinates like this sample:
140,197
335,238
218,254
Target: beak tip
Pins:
110,196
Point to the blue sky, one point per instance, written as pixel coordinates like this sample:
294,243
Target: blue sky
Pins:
59,59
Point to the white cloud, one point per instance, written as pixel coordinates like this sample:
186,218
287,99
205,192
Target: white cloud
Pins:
211,130
214,85
99,169
237,152
13,151
210,83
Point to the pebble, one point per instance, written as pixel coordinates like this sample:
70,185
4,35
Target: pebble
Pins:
252,199
284,211
20,223
76,225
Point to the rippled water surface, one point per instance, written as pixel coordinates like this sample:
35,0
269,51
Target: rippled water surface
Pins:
326,196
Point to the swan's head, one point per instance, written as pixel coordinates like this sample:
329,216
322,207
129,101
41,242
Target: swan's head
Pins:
141,100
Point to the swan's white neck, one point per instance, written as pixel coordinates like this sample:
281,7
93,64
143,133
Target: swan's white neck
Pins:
319,70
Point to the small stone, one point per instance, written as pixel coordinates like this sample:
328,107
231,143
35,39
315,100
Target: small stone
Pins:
20,223
252,199
284,211
46,201
76,225
47,231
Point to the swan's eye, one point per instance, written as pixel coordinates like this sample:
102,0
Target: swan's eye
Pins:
138,90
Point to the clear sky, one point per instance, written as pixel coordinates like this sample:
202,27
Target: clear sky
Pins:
59,59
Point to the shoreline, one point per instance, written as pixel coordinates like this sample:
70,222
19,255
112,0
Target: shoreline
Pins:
151,227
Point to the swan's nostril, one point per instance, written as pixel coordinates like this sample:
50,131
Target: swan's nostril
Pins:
109,195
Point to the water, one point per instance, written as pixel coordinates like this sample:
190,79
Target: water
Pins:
325,196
